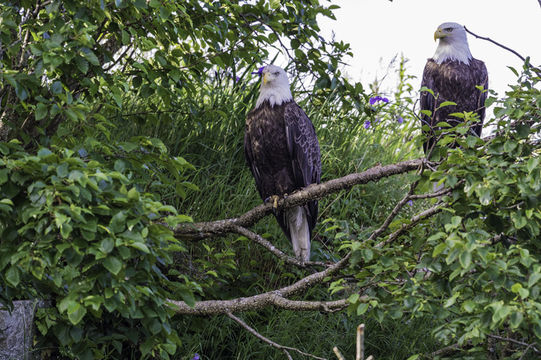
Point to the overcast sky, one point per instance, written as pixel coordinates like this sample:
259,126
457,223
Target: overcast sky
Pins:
379,29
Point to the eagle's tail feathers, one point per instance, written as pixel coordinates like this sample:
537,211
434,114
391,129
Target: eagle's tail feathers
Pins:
300,232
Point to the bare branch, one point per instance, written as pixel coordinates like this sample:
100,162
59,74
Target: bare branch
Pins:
270,342
394,212
446,350
529,346
277,298
338,353
311,192
273,249
504,47
414,221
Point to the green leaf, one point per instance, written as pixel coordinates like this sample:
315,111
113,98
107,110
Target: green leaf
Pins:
361,308
534,278
515,319
13,276
118,222
3,176
465,259
41,111
140,246
112,264
107,245
446,103
90,56
76,312
439,249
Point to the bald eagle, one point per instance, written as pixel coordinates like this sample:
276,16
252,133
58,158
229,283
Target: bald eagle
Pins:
453,75
282,151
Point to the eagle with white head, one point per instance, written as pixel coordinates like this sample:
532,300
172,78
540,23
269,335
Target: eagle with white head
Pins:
453,74
282,151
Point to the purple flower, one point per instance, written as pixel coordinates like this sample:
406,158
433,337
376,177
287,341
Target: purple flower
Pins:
237,79
400,120
367,124
410,202
259,71
375,99
196,356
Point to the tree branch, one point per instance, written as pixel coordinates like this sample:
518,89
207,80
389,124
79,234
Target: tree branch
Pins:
275,298
414,221
270,342
312,192
504,47
529,346
273,249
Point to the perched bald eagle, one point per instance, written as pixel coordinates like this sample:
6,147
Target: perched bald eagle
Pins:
282,151
453,75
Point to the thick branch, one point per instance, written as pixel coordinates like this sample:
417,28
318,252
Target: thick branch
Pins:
312,192
275,298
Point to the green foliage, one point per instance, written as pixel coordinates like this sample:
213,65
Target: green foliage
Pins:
83,237
68,62
129,115
475,268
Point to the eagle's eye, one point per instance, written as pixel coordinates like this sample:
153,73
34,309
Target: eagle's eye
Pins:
276,73
449,29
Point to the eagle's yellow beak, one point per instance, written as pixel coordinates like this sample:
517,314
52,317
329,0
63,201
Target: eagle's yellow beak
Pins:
265,78
439,34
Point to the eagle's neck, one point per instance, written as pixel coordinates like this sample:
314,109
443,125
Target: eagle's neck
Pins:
275,95
453,50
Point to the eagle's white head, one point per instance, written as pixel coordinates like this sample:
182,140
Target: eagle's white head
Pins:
453,43
274,86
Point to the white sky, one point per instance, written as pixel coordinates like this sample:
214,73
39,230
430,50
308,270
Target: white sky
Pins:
379,29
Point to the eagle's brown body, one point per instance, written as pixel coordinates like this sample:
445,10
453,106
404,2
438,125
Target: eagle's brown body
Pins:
455,81
282,151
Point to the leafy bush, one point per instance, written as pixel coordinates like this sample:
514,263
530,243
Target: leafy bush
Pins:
83,237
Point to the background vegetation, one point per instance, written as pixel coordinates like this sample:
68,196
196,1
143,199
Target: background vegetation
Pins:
122,119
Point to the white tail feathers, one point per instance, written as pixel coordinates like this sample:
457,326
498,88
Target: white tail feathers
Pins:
300,232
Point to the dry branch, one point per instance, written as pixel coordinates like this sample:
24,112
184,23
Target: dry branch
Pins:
273,249
270,342
414,221
313,192
277,298
505,48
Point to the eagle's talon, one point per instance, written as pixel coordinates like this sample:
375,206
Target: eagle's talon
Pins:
274,199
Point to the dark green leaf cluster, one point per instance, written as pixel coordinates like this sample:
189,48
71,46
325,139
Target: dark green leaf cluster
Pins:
82,237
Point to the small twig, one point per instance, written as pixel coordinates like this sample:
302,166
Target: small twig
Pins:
273,249
269,341
414,221
504,47
338,353
445,350
501,338
394,212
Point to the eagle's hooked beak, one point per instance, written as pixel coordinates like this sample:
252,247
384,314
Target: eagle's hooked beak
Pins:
265,78
439,34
